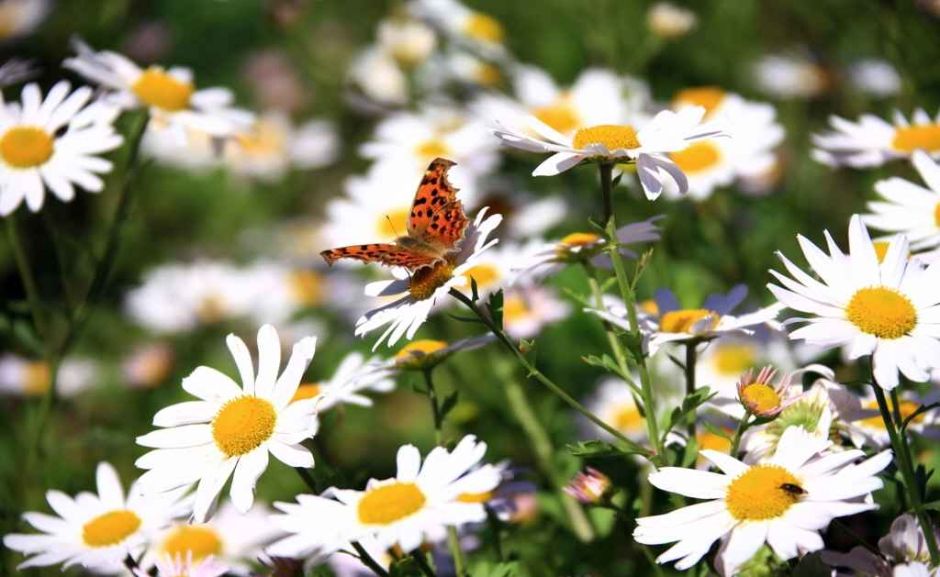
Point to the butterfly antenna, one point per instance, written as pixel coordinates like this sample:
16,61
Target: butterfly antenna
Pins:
392,224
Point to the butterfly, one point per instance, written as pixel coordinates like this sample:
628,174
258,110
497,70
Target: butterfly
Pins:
436,226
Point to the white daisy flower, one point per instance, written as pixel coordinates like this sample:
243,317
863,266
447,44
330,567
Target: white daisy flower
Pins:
231,429
875,77
811,411
148,365
466,70
910,208
791,76
231,537
186,567
901,553
667,322
784,502
476,30
378,77
413,140
415,506
354,376
872,141
669,21
410,42
31,378
170,94
889,310
858,418
598,96
752,133
272,145
647,145
94,531
418,294
54,143
20,17
423,354
615,404
376,206
527,309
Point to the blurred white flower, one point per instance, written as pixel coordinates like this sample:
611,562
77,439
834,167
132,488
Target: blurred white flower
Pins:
902,552
875,77
377,75
477,31
148,366
271,145
790,76
528,308
29,378
410,42
53,143
185,567
858,418
20,17
872,141
354,376
669,21
909,208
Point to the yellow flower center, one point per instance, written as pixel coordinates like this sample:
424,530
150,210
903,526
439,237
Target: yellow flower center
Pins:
760,398
306,391
26,146
649,307
708,97
484,28
306,287
432,148
881,249
483,497
242,425
697,157
580,239
920,137
200,541
265,138
882,312
733,359
907,409
611,136
560,115
110,528
211,309
389,503
936,214
425,281
486,275
422,346
488,75
627,418
713,441
515,308
36,378
156,88
685,320
763,492
394,224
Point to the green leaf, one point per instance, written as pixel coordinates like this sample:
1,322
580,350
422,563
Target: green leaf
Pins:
404,567
598,449
449,403
495,305
474,293
490,569
689,405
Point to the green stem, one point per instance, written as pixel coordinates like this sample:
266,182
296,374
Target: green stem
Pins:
629,301
453,542
902,452
368,561
544,454
422,561
533,372
30,287
691,359
613,342
607,185
743,424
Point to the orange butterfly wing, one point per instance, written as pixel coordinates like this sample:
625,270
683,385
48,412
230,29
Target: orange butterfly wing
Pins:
437,217
382,253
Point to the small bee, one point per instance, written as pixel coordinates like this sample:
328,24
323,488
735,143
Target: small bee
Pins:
793,490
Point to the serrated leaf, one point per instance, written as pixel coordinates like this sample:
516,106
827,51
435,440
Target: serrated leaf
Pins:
597,449
474,292
495,306
689,405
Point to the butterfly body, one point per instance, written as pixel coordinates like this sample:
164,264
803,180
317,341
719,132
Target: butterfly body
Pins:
436,226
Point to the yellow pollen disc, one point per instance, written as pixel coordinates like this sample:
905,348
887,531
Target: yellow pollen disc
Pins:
483,497
612,136
627,418
306,391
485,274
242,424
907,409
760,398
882,312
714,442
484,27
393,224
264,139
881,249
110,528
919,137
761,493
649,307
433,148
560,115
733,359
211,309
36,378
389,503
425,281
26,147
306,287
580,239
155,87
419,348
488,75
698,157
936,214
708,97
515,308
200,541
684,321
